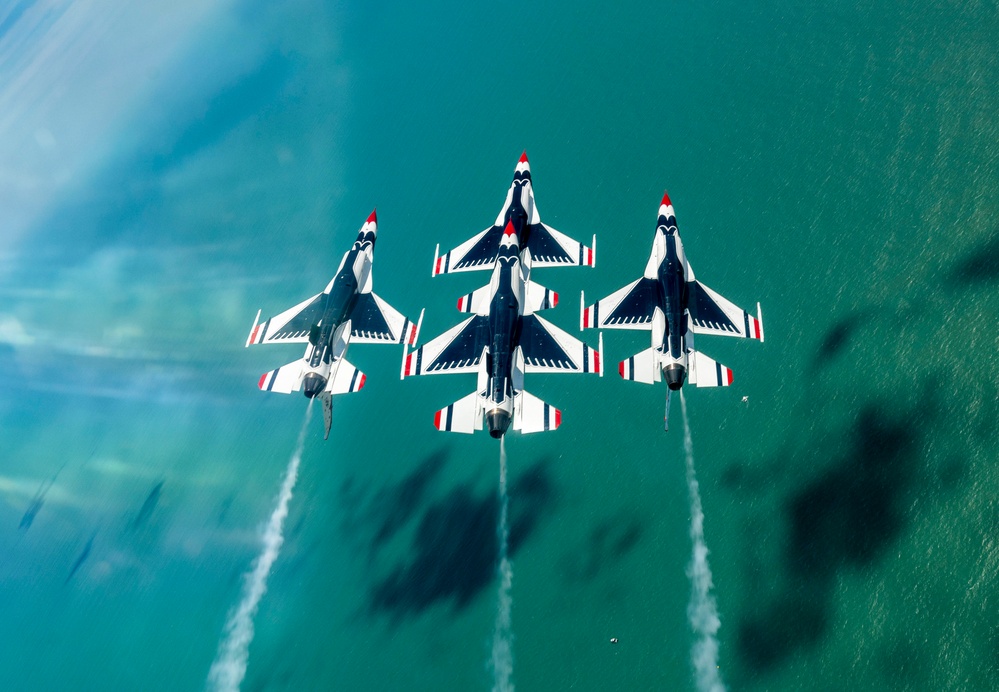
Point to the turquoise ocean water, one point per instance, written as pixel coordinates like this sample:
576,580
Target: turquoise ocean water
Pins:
165,173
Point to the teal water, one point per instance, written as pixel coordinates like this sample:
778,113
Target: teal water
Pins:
165,174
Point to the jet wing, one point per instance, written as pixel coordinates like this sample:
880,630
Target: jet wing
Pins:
374,321
710,313
546,348
289,327
549,248
459,349
478,252
631,307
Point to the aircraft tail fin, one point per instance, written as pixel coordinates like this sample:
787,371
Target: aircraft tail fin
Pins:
531,414
463,416
705,372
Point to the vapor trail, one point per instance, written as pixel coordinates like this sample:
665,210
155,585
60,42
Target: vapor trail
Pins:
701,611
229,668
502,659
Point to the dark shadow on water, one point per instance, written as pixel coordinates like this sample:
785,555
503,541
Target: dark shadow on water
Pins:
846,518
454,550
371,519
839,335
396,504
608,542
979,266
850,514
81,558
148,506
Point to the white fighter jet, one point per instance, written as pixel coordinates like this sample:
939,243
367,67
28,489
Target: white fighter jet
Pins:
540,245
346,312
668,301
502,341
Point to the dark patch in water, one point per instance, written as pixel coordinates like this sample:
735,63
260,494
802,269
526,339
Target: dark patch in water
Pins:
844,519
29,514
148,506
397,503
454,551
372,519
38,500
82,558
608,541
850,514
980,266
839,335
792,623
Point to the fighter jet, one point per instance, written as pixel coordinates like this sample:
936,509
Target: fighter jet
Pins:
502,341
345,312
540,245
674,306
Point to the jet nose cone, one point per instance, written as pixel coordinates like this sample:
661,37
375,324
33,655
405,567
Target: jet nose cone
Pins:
666,201
373,217
523,170
498,422
675,375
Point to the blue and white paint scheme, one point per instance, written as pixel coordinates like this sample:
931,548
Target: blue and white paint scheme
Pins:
347,311
502,341
540,244
670,303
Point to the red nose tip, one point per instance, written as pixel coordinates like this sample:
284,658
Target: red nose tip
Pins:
509,228
666,199
523,157
374,217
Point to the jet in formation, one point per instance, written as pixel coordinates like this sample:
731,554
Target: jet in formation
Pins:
347,311
540,244
503,339
668,301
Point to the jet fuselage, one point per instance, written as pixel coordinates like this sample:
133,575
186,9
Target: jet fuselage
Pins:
329,336
673,293
504,327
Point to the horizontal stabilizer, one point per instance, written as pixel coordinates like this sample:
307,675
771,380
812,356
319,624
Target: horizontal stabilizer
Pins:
463,416
286,379
345,378
704,372
642,367
474,301
531,414
540,298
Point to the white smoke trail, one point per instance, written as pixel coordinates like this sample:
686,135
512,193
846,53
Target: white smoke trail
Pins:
701,611
502,659
229,667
